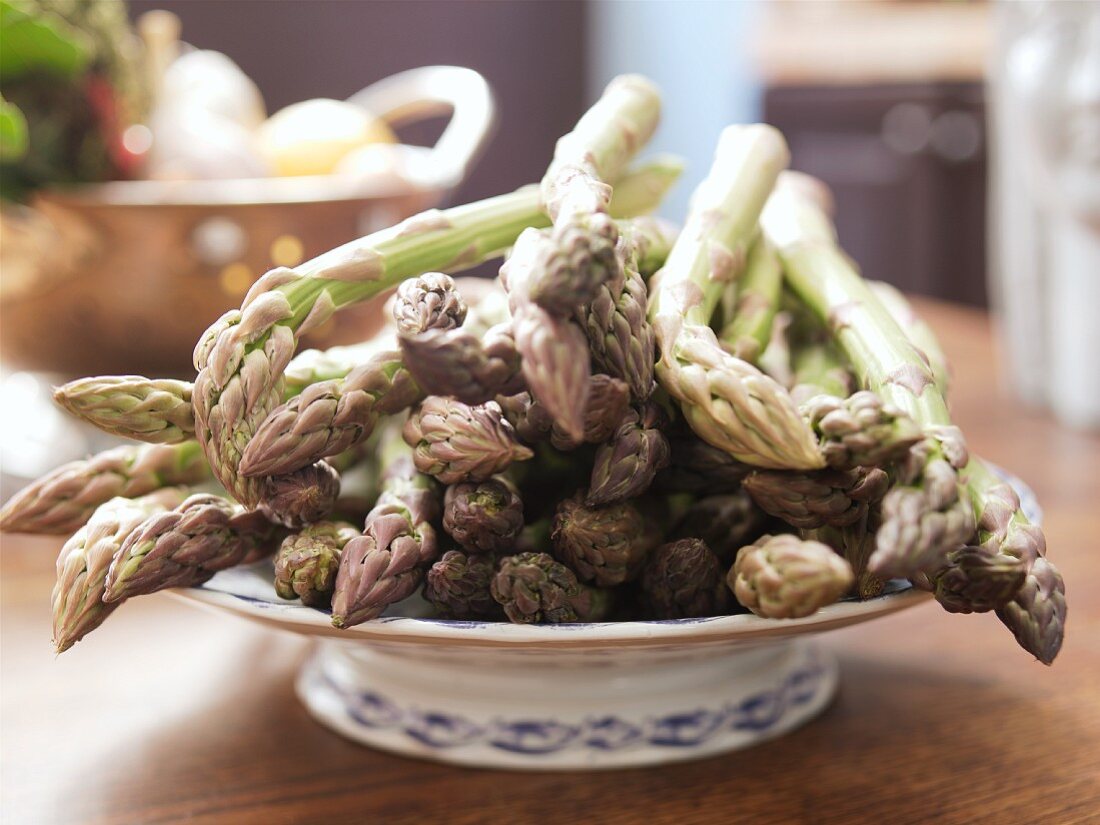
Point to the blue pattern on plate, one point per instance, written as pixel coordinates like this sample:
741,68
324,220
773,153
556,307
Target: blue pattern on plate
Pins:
534,737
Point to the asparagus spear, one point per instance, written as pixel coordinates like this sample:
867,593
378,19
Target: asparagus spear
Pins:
329,417
855,542
860,430
988,574
608,402
301,497
458,586
187,545
1037,614
64,499
157,411
457,442
306,562
620,336
428,301
386,563
554,354
577,256
697,467
918,330
241,358
724,522
817,369
534,588
605,546
78,606
728,402
483,517
458,363
784,577
835,497
626,465
748,331
926,516
682,580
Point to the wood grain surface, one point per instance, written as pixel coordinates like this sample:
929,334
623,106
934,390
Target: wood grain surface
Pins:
169,713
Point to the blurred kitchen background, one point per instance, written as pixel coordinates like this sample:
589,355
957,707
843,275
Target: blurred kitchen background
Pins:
961,141
884,101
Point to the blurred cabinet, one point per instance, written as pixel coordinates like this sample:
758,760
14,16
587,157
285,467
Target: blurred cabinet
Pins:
907,165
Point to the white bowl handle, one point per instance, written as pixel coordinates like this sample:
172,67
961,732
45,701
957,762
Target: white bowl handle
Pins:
431,91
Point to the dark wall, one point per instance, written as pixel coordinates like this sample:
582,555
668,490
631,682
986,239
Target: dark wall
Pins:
531,52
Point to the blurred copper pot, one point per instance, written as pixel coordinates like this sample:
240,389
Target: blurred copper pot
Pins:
123,277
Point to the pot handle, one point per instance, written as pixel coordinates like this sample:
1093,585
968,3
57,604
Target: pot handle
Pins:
431,91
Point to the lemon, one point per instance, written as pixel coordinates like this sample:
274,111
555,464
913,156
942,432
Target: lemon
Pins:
312,137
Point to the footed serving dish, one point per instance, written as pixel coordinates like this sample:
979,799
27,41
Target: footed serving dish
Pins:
564,696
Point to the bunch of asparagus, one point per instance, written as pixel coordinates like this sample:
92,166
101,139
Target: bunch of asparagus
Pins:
631,422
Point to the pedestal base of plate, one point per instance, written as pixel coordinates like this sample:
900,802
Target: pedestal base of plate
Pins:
564,710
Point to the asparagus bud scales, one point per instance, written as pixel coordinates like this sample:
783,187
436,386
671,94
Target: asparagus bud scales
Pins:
63,500
306,563
157,411
728,402
457,442
329,417
783,577
186,546
386,563
78,606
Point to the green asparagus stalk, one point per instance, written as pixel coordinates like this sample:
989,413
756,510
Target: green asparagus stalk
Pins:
784,577
817,369
386,564
927,516
626,465
64,499
605,546
918,330
838,498
312,366
747,332
728,402
187,545
330,417
157,411
483,517
307,561
457,442
533,588
458,586
683,580
428,301
241,358
78,606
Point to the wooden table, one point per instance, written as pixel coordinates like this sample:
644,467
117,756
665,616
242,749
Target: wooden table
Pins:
170,713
